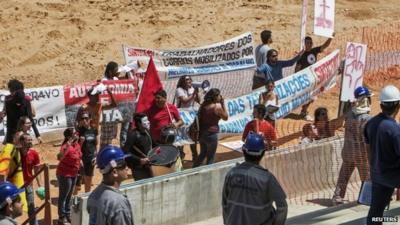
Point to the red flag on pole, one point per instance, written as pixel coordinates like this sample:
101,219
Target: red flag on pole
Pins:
151,84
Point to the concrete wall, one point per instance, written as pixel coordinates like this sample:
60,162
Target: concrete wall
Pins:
195,194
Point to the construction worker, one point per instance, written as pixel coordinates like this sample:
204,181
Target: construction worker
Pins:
106,204
355,152
10,203
382,134
249,190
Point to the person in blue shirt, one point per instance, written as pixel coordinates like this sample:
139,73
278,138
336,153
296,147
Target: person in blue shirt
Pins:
382,134
272,70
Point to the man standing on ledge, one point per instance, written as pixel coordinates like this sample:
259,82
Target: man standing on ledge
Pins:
382,133
249,190
261,56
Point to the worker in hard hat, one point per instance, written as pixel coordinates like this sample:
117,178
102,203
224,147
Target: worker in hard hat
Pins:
382,134
250,190
10,203
355,152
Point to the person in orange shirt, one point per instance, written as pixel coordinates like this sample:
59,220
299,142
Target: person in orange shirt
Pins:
262,127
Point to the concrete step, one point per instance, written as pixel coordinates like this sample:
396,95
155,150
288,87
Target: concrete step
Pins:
346,214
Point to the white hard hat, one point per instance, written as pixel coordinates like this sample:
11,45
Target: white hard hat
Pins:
390,93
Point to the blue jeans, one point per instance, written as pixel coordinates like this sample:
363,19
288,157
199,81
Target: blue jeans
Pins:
380,199
30,199
208,147
66,187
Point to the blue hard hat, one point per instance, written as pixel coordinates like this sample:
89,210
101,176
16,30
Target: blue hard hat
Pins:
254,144
8,192
109,157
361,91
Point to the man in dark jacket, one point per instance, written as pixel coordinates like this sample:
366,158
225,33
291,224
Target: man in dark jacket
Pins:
249,190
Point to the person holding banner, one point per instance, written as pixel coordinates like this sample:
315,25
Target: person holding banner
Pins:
261,56
382,134
211,111
272,69
309,57
16,105
186,96
261,127
355,152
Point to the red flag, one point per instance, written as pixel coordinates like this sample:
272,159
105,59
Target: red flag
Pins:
151,84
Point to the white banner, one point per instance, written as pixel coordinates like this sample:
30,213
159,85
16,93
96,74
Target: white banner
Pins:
353,70
303,23
49,105
293,91
234,54
324,17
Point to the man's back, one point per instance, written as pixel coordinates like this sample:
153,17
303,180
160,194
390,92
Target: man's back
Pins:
382,133
107,206
248,194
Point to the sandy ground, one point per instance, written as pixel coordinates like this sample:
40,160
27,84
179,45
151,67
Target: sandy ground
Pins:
52,42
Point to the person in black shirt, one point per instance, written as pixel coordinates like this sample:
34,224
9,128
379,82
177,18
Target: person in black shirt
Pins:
138,144
17,105
309,57
88,137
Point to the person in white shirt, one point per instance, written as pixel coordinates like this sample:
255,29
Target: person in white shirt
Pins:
187,96
261,57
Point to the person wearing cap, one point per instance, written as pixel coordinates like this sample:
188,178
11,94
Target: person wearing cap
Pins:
355,152
249,190
10,203
69,157
139,143
382,134
106,204
88,137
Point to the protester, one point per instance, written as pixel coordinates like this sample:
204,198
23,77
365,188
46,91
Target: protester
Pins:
10,203
355,152
187,96
211,111
260,126
272,69
88,137
249,190
30,163
382,134
138,144
309,57
95,107
323,127
67,171
111,72
16,105
261,56
309,134
270,100
106,204
162,114
23,127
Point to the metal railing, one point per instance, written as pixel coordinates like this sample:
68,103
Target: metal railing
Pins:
47,199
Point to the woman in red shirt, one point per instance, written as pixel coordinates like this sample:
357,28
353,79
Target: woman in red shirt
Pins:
262,127
67,172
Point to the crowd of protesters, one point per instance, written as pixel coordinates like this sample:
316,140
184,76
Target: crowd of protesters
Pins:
89,143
